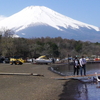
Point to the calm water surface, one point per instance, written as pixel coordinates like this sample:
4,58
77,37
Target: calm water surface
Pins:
85,90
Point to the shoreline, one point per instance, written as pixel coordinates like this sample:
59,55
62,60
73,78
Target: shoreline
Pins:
29,87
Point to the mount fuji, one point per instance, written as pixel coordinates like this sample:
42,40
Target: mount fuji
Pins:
40,21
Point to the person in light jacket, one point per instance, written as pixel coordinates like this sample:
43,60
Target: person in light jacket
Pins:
82,65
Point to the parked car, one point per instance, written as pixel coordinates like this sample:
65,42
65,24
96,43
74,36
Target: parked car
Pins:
6,60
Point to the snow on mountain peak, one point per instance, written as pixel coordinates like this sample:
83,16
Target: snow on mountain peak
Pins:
43,15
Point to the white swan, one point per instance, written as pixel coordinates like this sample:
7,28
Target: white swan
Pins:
98,80
97,77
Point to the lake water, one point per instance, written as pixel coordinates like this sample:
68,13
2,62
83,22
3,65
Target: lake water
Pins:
65,70
80,89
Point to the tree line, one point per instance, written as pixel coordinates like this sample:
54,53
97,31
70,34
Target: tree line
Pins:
53,47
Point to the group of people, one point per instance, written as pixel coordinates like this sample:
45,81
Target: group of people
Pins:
80,66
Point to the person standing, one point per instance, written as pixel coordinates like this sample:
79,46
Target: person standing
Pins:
76,66
82,65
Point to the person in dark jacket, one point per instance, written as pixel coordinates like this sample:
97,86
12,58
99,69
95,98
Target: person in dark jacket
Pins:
76,66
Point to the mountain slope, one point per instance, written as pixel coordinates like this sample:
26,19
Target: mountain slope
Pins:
40,21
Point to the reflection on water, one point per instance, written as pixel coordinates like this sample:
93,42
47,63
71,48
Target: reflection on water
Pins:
93,92
78,89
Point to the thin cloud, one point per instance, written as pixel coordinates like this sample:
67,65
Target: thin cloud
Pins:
2,17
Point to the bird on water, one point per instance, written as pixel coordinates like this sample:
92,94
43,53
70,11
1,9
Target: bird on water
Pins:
97,79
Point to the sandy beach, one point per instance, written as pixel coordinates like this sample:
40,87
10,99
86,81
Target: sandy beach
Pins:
21,87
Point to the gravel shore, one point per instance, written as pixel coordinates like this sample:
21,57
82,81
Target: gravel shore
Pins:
21,87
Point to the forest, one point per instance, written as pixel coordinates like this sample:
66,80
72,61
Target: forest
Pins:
53,47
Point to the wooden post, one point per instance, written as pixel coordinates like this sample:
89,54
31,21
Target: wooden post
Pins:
24,74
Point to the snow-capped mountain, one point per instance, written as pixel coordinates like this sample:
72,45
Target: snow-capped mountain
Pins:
40,21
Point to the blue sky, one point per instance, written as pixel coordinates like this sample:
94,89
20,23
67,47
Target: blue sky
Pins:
87,11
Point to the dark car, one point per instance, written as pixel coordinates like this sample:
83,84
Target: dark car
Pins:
6,60
1,59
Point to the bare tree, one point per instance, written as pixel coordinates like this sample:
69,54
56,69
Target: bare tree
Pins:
6,32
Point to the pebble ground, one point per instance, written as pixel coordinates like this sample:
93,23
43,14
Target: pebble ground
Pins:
21,87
